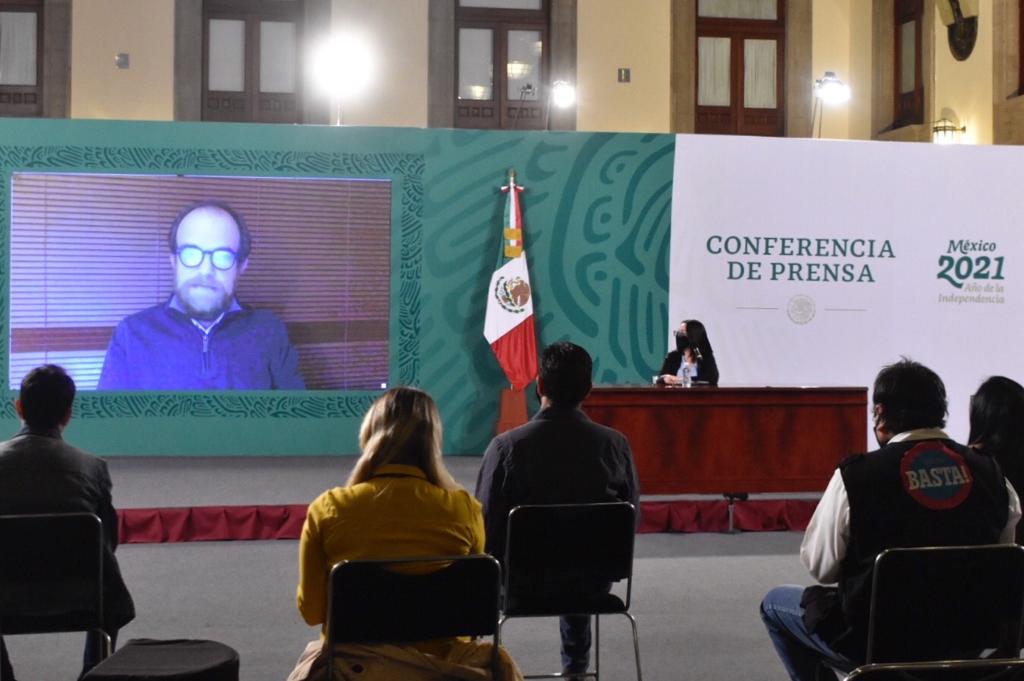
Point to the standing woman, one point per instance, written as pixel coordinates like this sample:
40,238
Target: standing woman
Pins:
693,352
997,429
399,501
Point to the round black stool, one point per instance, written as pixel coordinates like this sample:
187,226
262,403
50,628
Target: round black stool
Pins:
143,659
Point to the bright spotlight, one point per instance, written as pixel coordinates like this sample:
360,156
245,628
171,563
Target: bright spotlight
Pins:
563,95
831,90
343,66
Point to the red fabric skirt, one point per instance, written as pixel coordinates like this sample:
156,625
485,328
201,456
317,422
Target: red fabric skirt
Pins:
228,523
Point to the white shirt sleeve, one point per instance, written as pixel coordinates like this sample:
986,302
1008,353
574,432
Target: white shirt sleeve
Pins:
1008,534
828,533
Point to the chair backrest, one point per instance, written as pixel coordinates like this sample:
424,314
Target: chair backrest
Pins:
952,670
937,603
51,573
563,544
380,601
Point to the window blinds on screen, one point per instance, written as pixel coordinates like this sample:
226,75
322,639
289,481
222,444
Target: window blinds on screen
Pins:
89,250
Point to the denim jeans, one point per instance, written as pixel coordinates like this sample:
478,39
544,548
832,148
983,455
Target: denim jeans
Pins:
805,656
575,630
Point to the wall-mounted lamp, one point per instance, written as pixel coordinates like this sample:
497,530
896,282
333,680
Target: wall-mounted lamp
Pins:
827,90
945,131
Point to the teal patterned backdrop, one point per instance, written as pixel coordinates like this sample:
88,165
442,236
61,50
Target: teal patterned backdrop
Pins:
596,211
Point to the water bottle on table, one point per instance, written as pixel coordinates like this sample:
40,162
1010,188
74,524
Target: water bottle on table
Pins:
687,381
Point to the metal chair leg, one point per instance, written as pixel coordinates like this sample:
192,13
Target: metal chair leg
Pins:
636,646
497,632
103,644
595,644
495,654
108,648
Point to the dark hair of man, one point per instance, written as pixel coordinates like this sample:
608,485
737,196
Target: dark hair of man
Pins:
244,240
997,420
912,396
698,336
565,370
47,393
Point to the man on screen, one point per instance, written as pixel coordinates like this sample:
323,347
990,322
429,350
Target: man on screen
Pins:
202,338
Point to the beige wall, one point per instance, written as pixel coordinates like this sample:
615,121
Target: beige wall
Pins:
636,35
611,34
397,32
142,28
830,51
1008,105
859,109
965,87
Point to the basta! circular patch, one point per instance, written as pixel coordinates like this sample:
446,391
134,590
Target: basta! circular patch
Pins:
935,476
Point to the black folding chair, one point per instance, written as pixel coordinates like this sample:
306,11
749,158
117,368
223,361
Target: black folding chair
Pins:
951,670
370,602
51,574
559,560
949,602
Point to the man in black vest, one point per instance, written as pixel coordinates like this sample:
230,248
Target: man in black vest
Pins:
919,489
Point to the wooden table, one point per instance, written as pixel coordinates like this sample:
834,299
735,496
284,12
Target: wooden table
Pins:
717,440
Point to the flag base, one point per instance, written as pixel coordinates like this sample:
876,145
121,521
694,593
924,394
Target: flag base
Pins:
511,410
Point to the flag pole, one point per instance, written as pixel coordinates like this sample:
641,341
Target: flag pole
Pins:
513,291
510,187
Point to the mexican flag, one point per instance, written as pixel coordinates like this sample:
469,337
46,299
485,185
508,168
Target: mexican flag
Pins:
508,325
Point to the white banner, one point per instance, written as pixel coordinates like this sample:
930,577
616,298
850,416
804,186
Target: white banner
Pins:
816,262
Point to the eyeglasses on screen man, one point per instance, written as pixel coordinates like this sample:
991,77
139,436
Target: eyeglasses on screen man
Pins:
220,258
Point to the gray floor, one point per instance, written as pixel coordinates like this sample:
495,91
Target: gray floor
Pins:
695,595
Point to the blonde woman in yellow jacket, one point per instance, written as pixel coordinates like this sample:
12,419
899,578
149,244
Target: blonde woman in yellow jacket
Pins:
399,501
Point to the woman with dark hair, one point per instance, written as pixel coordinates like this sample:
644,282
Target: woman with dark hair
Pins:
693,357
997,429
400,501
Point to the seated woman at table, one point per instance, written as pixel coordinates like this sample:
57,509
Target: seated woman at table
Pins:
399,501
997,429
693,353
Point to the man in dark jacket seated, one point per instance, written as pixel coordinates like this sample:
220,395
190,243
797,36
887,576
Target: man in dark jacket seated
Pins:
41,473
877,501
559,457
